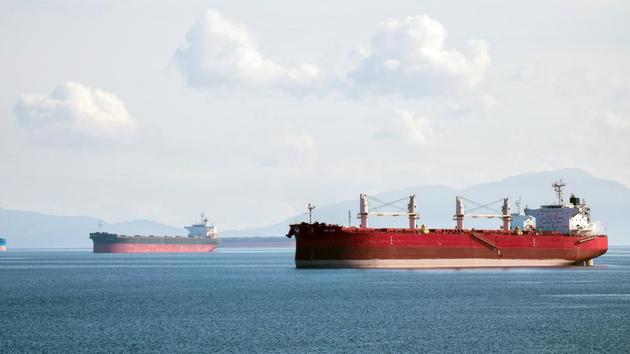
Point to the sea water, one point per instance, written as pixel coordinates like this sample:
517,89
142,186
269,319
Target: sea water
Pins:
253,301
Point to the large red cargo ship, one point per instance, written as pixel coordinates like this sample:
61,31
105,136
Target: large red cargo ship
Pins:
563,236
201,238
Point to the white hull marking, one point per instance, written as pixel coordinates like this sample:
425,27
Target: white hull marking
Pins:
433,263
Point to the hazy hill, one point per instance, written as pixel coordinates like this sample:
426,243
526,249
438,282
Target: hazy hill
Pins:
25,229
436,205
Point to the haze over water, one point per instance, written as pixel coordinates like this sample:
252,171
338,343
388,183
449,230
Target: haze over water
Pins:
246,300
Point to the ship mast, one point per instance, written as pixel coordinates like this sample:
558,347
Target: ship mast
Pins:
503,214
310,213
363,210
459,212
557,186
411,210
507,216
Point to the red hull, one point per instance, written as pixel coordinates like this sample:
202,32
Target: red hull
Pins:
152,248
320,245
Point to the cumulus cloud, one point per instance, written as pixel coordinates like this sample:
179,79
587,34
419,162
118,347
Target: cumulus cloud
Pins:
414,128
407,127
409,56
220,52
300,141
617,123
74,112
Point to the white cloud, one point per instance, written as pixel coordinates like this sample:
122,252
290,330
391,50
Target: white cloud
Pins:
617,123
300,141
407,127
220,52
409,56
414,128
74,112
488,101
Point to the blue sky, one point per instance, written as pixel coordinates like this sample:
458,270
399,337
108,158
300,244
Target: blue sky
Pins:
248,111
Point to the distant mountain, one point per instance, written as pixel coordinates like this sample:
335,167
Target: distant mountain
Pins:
25,229
436,204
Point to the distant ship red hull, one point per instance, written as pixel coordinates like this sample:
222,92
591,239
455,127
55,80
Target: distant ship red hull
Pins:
112,243
151,248
333,246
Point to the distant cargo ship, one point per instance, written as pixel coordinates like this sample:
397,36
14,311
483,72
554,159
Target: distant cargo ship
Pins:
559,234
3,245
202,237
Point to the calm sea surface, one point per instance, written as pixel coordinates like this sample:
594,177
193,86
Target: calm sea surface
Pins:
256,301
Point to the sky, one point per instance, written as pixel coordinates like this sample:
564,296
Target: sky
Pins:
248,111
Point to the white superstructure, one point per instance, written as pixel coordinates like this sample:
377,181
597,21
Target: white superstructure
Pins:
569,218
202,229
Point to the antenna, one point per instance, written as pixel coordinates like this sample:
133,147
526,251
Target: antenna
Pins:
310,213
557,186
349,218
517,203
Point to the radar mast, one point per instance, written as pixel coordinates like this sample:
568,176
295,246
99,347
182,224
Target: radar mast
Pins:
557,186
